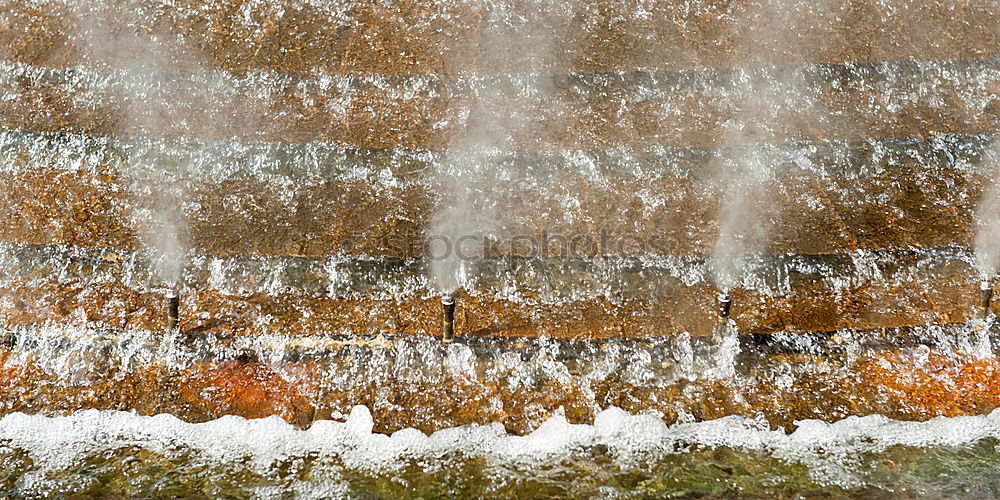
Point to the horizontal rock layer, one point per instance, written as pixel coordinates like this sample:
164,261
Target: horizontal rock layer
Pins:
417,383
584,298
674,108
443,37
317,201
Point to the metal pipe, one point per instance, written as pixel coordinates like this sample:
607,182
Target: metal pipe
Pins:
173,308
725,302
447,317
985,296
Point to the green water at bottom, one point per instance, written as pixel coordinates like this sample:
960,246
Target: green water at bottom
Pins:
971,470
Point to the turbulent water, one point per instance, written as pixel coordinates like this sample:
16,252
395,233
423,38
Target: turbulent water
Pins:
619,456
658,451
286,161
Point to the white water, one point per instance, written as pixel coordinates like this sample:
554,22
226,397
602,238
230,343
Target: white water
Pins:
830,451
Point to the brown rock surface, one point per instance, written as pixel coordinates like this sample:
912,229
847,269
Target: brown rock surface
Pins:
636,110
945,299
906,384
432,36
799,213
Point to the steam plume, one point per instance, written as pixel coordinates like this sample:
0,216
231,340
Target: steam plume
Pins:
498,113
988,217
773,103
164,86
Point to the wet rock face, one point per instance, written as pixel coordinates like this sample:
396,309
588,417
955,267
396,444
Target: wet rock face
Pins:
315,200
583,298
585,112
448,37
419,385
252,390
296,156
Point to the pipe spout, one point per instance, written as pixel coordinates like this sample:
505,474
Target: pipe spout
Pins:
985,296
173,309
447,317
725,302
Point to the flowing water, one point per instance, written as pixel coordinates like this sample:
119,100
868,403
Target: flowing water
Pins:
620,455
283,165
701,419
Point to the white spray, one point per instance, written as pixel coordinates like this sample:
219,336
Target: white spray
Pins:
497,114
987,244
773,104
150,68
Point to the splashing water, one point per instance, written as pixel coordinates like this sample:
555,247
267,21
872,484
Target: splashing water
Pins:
617,454
284,162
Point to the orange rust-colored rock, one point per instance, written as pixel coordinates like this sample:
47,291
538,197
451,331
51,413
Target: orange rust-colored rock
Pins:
430,406
908,384
251,390
922,386
16,377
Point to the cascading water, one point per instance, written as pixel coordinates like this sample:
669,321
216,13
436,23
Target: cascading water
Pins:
674,248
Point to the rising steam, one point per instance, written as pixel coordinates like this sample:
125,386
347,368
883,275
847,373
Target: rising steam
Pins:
988,217
164,86
747,165
497,113
773,103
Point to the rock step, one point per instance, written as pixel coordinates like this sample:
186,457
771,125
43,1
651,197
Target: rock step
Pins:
643,297
412,382
193,160
313,201
445,37
889,99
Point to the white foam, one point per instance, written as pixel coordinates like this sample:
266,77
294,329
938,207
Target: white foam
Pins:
827,449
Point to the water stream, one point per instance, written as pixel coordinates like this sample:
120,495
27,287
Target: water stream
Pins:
609,167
